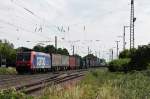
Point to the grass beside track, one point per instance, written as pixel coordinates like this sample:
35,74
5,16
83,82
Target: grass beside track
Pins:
99,84
7,71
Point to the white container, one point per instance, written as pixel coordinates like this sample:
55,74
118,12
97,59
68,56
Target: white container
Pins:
56,60
65,60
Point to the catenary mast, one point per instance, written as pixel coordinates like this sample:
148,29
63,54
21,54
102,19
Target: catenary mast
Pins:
132,20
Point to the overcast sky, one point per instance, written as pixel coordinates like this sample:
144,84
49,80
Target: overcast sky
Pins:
38,20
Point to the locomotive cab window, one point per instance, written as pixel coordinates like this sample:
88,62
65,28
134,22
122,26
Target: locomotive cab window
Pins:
23,56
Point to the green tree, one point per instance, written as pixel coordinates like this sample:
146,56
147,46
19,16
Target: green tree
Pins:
38,48
50,49
11,59
140,58
59,51
23,49
125,54
65,51
89,56
62,51
8,52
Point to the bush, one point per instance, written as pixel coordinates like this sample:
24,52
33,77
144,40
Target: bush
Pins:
125,54
119,65
13,94
140,60
9,70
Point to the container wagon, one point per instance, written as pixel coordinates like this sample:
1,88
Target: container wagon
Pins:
56,62
91,62
60,62
86,63
77,62
72,62
65,62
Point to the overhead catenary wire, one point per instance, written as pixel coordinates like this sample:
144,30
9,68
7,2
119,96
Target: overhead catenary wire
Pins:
21,28
8,23
65,28
43,21
62,30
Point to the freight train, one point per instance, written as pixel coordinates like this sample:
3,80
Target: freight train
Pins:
41,62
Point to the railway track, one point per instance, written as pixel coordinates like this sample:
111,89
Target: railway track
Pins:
9,79
35,86
32,83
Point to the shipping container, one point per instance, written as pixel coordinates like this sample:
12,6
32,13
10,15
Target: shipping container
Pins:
98,62
56,60
90,62
65,60
72,62
94,62
86,62
77,61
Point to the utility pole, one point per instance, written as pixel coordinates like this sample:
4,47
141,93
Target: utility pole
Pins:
112,54
56,42
132,20
124,37
99,54
88,50
95,53
73,50
117,48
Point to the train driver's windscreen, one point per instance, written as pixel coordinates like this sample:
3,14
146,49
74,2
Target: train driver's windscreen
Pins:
23,56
